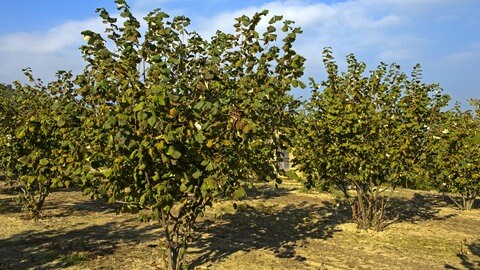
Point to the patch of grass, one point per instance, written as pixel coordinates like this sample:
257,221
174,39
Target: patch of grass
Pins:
241,207
272,229
418,247
74,258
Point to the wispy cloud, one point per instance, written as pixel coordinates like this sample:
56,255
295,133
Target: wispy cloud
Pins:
45,52
373,34
321,16
344,25
461,69
375,30
55,39
470,54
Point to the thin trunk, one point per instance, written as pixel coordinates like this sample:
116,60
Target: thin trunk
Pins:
344,188
468,202
170,247
42,196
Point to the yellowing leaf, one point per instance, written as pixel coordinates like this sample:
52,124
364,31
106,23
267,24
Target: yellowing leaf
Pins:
209,143
160,145
173,112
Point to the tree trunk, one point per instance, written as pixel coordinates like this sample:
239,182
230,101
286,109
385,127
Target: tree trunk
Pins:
468,202
170,246
344,188
369,210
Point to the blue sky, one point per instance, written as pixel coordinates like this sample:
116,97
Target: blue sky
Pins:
442,35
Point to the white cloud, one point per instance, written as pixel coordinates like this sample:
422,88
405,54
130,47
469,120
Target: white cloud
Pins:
55,39
375,30
412,6
345,26
45,52
44,65
371,32
321,17
147,5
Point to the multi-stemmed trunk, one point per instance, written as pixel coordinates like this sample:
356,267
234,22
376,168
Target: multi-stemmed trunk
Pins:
467,203
33,200
368,210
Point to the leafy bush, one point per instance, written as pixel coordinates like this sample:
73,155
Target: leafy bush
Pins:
458,154
37,144
368,132
175,121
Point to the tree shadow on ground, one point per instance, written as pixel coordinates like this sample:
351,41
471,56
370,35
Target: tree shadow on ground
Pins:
267,228
58,204
283,230
51,249
471,260
71,201
9,205
9,190
82,207
469,254
419,208
266,192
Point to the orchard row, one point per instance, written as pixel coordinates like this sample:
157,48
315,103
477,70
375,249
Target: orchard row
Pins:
170,122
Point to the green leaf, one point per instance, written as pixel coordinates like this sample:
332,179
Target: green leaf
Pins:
199,105
157,58
176,154
271,28
152,120
25,160
110,122
476,139
107,172
122,119
173,153
21,134
139,107
42,178
246,129
31,179
199,137
111,199
210,167
44,162
161,99
61,122
197,174
239,193
143,198
205,162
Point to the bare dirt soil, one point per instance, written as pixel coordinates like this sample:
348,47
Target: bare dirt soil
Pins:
285,228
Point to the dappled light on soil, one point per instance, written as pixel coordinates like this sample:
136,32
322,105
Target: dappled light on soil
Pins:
283,228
